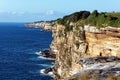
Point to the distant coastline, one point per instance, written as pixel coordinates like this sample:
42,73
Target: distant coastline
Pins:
46,25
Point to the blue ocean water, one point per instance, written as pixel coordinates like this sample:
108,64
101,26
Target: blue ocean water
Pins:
18,46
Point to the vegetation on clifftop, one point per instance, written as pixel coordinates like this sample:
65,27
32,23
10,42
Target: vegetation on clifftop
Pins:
95,18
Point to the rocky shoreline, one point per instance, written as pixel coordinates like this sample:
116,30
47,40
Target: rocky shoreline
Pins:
48,54
98,68
46,25
84,51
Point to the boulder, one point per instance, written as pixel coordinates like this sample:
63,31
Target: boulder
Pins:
48,70
48,54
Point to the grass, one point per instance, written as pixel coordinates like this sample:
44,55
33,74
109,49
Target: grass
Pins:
95,18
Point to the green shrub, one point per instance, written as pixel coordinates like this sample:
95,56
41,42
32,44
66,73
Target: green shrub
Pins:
68,28
76,42
69,62
82,18
60,33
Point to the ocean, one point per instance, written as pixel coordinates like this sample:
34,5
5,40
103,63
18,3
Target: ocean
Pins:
19,47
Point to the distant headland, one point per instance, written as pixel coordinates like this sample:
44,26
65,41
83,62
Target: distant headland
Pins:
46,25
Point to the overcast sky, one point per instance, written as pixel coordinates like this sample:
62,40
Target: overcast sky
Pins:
36,10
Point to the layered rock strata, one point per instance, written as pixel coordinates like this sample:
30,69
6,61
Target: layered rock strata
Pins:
79,43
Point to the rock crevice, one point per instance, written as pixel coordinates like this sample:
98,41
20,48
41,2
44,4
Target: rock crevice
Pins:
83,42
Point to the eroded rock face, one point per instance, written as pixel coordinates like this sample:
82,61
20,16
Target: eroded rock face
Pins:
81,42
98,68
103,44
67,51
95,60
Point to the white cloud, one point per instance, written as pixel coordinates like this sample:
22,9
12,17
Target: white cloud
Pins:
50,12
14,12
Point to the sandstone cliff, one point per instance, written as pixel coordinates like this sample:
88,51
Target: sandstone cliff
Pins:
76,47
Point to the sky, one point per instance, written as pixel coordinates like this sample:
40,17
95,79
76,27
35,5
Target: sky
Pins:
37,10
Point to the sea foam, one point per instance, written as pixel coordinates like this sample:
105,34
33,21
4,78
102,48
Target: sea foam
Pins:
42,57
42,72
38,53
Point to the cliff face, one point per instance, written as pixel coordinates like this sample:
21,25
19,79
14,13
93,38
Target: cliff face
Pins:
79,43
105,43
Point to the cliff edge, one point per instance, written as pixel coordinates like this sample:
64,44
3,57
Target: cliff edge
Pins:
87,46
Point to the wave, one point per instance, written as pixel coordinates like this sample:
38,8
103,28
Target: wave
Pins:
38,53
42,72
46,65
42,57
